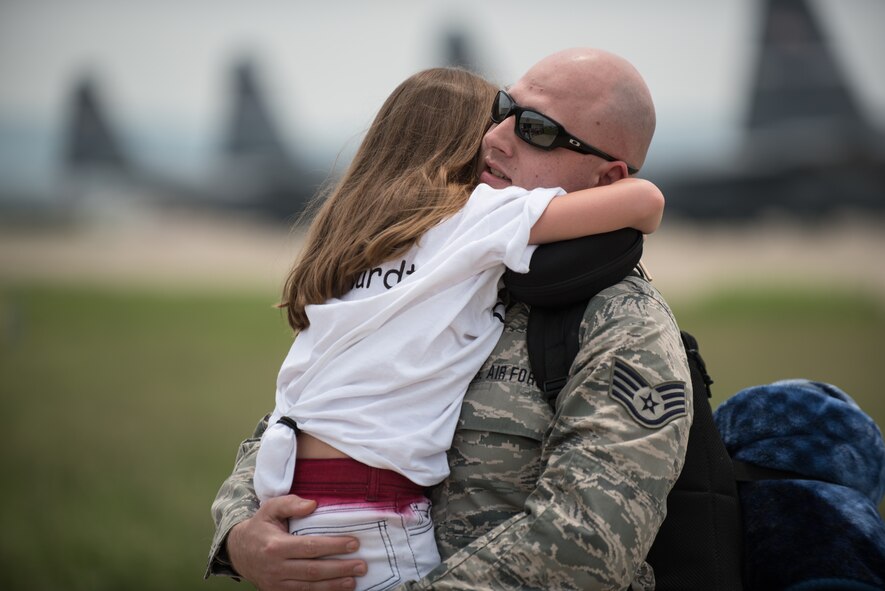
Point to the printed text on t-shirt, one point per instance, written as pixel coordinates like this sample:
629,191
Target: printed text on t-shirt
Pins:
390,278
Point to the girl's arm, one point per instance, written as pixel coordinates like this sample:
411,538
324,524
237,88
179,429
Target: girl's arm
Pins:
627,203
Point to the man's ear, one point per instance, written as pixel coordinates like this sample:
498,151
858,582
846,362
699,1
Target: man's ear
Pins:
612,172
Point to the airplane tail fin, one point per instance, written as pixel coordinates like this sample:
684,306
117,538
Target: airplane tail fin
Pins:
797,76
251,130
90,140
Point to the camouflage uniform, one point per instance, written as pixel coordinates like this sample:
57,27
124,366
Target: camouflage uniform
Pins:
539,497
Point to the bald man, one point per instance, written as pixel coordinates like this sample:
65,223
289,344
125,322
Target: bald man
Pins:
540,496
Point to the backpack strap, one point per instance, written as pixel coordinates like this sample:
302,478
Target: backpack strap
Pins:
553,342
696,364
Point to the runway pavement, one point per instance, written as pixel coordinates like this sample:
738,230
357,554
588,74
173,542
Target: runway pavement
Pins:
173,249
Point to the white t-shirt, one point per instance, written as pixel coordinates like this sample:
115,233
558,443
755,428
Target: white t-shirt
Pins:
380,373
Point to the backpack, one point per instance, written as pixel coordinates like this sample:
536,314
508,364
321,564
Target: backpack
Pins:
699,544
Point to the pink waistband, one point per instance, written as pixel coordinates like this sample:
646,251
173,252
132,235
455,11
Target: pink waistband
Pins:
346,477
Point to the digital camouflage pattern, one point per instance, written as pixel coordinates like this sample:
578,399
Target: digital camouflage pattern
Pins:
570,501
236,501
544,498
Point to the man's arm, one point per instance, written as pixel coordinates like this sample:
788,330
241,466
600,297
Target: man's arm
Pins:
235,502
253,542
604,477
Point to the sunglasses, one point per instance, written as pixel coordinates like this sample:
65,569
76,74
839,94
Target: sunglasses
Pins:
541,131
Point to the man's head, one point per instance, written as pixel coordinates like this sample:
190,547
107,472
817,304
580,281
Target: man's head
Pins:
597,97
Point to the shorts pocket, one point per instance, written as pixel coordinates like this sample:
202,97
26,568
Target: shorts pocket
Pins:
421,522
376,548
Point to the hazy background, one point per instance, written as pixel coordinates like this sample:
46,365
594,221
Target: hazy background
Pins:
138,343
327,66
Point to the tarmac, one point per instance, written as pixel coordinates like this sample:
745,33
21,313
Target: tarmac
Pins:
174,249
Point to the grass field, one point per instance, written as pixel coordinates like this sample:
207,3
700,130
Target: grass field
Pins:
122,411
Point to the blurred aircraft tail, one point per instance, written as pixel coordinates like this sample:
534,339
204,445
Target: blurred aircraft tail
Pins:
802,107
797,76
251,130
255,168
808,149
91,142
457,51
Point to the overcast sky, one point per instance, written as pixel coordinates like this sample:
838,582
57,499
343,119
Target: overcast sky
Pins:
327,65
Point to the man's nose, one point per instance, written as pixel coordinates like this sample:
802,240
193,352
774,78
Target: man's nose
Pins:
500,136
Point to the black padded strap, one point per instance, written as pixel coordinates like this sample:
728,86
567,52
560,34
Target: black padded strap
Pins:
552,338
570,271
698,368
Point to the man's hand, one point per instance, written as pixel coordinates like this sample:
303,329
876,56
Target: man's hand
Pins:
263,552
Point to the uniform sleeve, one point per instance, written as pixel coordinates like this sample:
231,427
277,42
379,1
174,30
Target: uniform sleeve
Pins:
601,494
235,502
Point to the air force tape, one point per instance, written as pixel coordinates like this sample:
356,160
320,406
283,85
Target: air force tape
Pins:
651,406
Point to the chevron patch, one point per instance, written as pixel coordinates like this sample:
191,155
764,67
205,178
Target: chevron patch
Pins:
651,406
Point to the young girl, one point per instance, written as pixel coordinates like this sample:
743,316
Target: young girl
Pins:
392,297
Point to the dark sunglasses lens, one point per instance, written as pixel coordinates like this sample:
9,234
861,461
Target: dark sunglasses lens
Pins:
501,108
536,129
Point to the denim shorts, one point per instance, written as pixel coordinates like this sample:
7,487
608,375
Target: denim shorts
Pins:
389,515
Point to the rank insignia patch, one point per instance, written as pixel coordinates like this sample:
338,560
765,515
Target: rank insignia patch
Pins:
651,406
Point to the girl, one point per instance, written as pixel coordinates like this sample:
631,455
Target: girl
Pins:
393,298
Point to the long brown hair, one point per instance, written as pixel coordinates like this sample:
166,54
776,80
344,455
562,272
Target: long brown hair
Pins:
416,166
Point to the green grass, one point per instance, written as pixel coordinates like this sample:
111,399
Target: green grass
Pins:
122,412
756,336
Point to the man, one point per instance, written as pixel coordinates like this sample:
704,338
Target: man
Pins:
539,497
